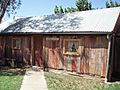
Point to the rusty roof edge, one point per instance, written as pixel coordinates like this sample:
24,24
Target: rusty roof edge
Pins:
53,33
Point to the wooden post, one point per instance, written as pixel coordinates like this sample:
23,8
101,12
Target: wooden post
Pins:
108,55
45,54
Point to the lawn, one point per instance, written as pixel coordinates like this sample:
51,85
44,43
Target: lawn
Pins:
11,79
70,82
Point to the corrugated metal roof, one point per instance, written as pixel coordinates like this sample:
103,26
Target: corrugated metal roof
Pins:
102,20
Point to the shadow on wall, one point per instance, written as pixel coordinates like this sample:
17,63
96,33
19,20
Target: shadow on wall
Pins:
7,53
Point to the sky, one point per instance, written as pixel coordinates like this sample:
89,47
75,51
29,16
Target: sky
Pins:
46,7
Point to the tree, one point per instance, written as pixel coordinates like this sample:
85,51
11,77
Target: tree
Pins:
90,6
69,9
116,4
65,10
83,5
56,10
110,3
8,6
107,4
61,10
74,9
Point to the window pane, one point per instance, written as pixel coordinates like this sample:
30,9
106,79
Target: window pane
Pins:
71,45
16,43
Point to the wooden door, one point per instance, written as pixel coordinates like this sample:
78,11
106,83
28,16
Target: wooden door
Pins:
38,50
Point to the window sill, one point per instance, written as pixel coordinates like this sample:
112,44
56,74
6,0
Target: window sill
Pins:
16,48
72,54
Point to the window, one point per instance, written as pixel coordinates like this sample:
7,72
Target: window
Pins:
71,47
16,43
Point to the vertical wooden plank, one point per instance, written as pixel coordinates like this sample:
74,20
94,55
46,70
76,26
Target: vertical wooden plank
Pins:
1,49
49,53
45,54
61,56
82,66
78,65
97,56
103,69
104,57
74,64
57,54
82,55
65,63
32,51
54,54
69,63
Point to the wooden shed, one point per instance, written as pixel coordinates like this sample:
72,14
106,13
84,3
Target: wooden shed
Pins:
85,42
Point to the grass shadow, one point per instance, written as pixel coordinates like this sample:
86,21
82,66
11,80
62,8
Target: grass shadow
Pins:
12,72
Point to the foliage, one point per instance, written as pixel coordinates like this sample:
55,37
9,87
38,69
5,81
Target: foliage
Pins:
56,10
8,5
65,10
61,9
74,9
71,82
110,3
83,5
10,80
69,9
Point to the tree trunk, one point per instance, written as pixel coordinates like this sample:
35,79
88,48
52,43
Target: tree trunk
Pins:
3,6
2,14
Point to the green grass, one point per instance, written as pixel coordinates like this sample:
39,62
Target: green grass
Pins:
70,82
10,80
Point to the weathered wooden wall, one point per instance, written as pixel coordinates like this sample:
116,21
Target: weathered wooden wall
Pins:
23,54
92,59
1,47
36,49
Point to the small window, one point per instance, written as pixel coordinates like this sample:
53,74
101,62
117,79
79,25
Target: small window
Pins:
16,43
71,47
